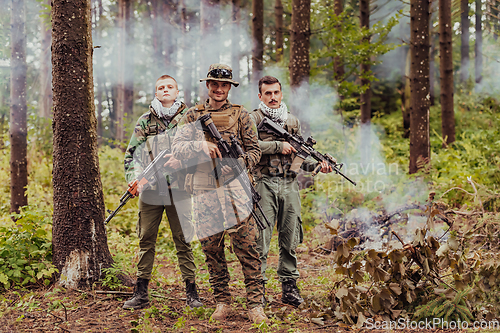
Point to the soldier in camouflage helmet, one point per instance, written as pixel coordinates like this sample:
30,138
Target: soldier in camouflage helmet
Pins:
279,189
153,133
218,209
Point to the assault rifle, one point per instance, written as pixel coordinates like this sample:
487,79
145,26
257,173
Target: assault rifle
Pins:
303,148
230,154
148,178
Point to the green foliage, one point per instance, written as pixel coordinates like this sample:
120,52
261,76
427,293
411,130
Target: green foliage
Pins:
455,309
111,279
26,250
343,38
475,153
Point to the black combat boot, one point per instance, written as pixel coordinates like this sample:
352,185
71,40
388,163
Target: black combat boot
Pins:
290,293
192,298
264,300
140,298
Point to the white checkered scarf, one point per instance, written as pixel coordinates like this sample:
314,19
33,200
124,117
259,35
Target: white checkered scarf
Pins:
279,115
164,112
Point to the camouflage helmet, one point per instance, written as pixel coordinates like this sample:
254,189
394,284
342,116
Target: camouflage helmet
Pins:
220,72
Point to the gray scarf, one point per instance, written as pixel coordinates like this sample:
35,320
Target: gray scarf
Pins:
164,112
279,115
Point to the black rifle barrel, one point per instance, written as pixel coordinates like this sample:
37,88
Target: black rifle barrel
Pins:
231,153
303,147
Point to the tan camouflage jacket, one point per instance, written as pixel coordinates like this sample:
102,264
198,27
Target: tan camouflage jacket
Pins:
189,138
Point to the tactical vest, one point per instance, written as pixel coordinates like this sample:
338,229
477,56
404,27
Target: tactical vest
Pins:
275,164
159,137
227,123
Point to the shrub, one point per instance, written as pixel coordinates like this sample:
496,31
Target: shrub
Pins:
26,250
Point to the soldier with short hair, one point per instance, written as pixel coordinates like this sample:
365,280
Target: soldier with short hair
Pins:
219,209
278,186
153,133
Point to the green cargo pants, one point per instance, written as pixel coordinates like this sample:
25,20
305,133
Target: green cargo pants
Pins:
281,204
150,216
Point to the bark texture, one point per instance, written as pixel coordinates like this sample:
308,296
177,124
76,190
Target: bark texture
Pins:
278,18
479,42
258,40
446,69
300,41
432,68
235,47
464,48
366,107
299,60
79,236
338,63
45,68
419,83
406,93
18,126
188,70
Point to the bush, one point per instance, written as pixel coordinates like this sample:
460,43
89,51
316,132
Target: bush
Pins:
26,250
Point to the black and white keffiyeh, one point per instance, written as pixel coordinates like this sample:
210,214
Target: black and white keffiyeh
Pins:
279,115
164,112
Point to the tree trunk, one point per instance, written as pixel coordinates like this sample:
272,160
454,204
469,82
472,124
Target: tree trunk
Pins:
419,83
405,105
278,18
300,41
99,69
45,69
209,27
338,63
464,48
366,112
299,60
446,69
495,10
235,47
125,97
18,125
169,10
432,71
258,46
479,43
187,53
153,14
80,249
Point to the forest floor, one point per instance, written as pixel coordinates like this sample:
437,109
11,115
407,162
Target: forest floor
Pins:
55,309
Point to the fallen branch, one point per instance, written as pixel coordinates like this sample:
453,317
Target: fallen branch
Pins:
129,293
50,313
457,212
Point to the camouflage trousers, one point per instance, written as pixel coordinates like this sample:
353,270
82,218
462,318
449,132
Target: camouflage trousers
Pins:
281,203
150,216
219,212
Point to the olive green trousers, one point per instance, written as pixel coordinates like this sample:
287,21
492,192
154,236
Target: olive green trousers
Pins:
177,207
281,203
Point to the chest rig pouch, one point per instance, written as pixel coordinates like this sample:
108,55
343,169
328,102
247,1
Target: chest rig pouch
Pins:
276,165
227,123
